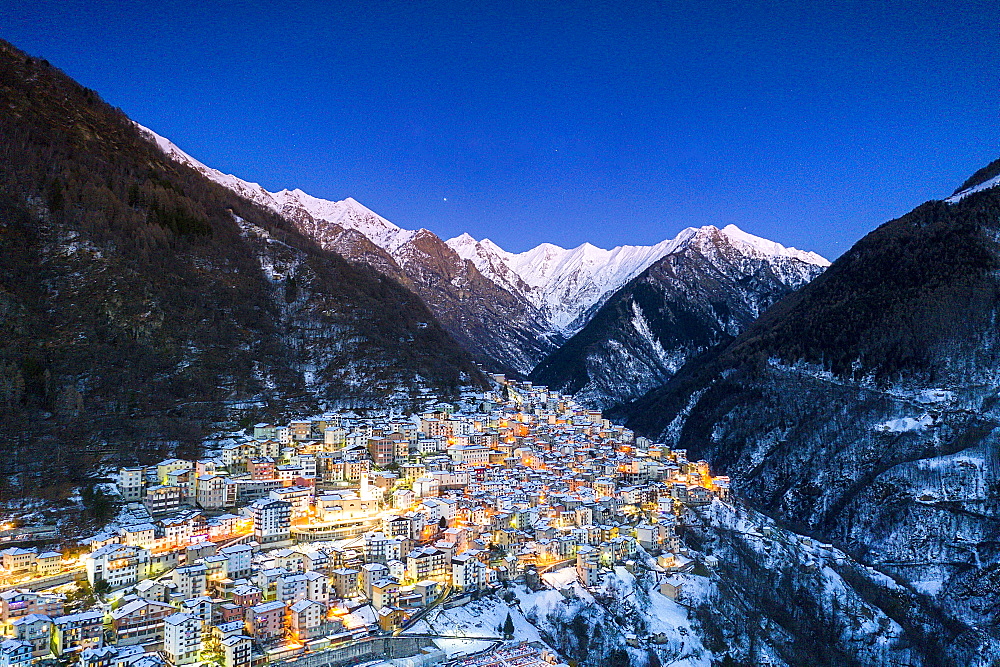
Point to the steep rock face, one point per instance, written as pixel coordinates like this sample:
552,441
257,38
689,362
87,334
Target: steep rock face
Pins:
500,329
863,407
786,599
142,302
703,293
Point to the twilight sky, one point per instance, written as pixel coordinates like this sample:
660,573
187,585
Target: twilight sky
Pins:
609,122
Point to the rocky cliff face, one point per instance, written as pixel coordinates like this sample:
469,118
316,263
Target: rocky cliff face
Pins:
703,293
863,408
500,330
142,301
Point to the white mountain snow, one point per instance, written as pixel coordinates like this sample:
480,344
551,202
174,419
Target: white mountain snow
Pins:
347,213
985,185
566,286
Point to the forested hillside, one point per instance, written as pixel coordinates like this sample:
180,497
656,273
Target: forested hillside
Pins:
863,407
141,302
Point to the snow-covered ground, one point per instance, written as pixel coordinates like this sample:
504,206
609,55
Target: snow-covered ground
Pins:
654,622
985,185
628,609
904,424
480,618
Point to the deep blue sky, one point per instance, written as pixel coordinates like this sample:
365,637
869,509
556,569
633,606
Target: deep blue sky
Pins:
610,122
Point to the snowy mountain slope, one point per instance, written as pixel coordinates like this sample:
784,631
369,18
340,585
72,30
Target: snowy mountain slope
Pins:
983,179
137,313
499,329
985,185
705,291
767,596
508,310
567,285
296,204
863,407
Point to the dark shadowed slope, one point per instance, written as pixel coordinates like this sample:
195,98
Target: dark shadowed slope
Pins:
141,301
864,406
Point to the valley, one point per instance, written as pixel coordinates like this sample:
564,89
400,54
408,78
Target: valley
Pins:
267,427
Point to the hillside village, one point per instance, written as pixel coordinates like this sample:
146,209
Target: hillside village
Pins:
304,537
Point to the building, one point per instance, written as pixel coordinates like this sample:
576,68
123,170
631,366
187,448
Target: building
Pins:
140,622
15,653
469,454
317,587
379,548
426,487
131,483
77,631
237,560
468,573
36,629
119,565
155,591
16,560
385,593
181,639
211,493
139,535
236,651
291,588
299,497
369,574
344,582
383,451
191,580
163,499
588,565
272,520
110,656
266,621
18,603
306,620
344,506
426,563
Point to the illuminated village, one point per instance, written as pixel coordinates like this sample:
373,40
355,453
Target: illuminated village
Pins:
326,534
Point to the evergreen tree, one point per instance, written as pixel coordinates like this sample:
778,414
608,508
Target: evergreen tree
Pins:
508,627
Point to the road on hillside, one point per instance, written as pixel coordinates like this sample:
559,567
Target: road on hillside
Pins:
49,582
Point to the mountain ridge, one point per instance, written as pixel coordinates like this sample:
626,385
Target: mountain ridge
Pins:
144,302
704,292
510,310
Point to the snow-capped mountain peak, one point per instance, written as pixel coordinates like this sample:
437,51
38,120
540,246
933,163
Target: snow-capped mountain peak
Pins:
568,283
771,248
563,285
347,213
